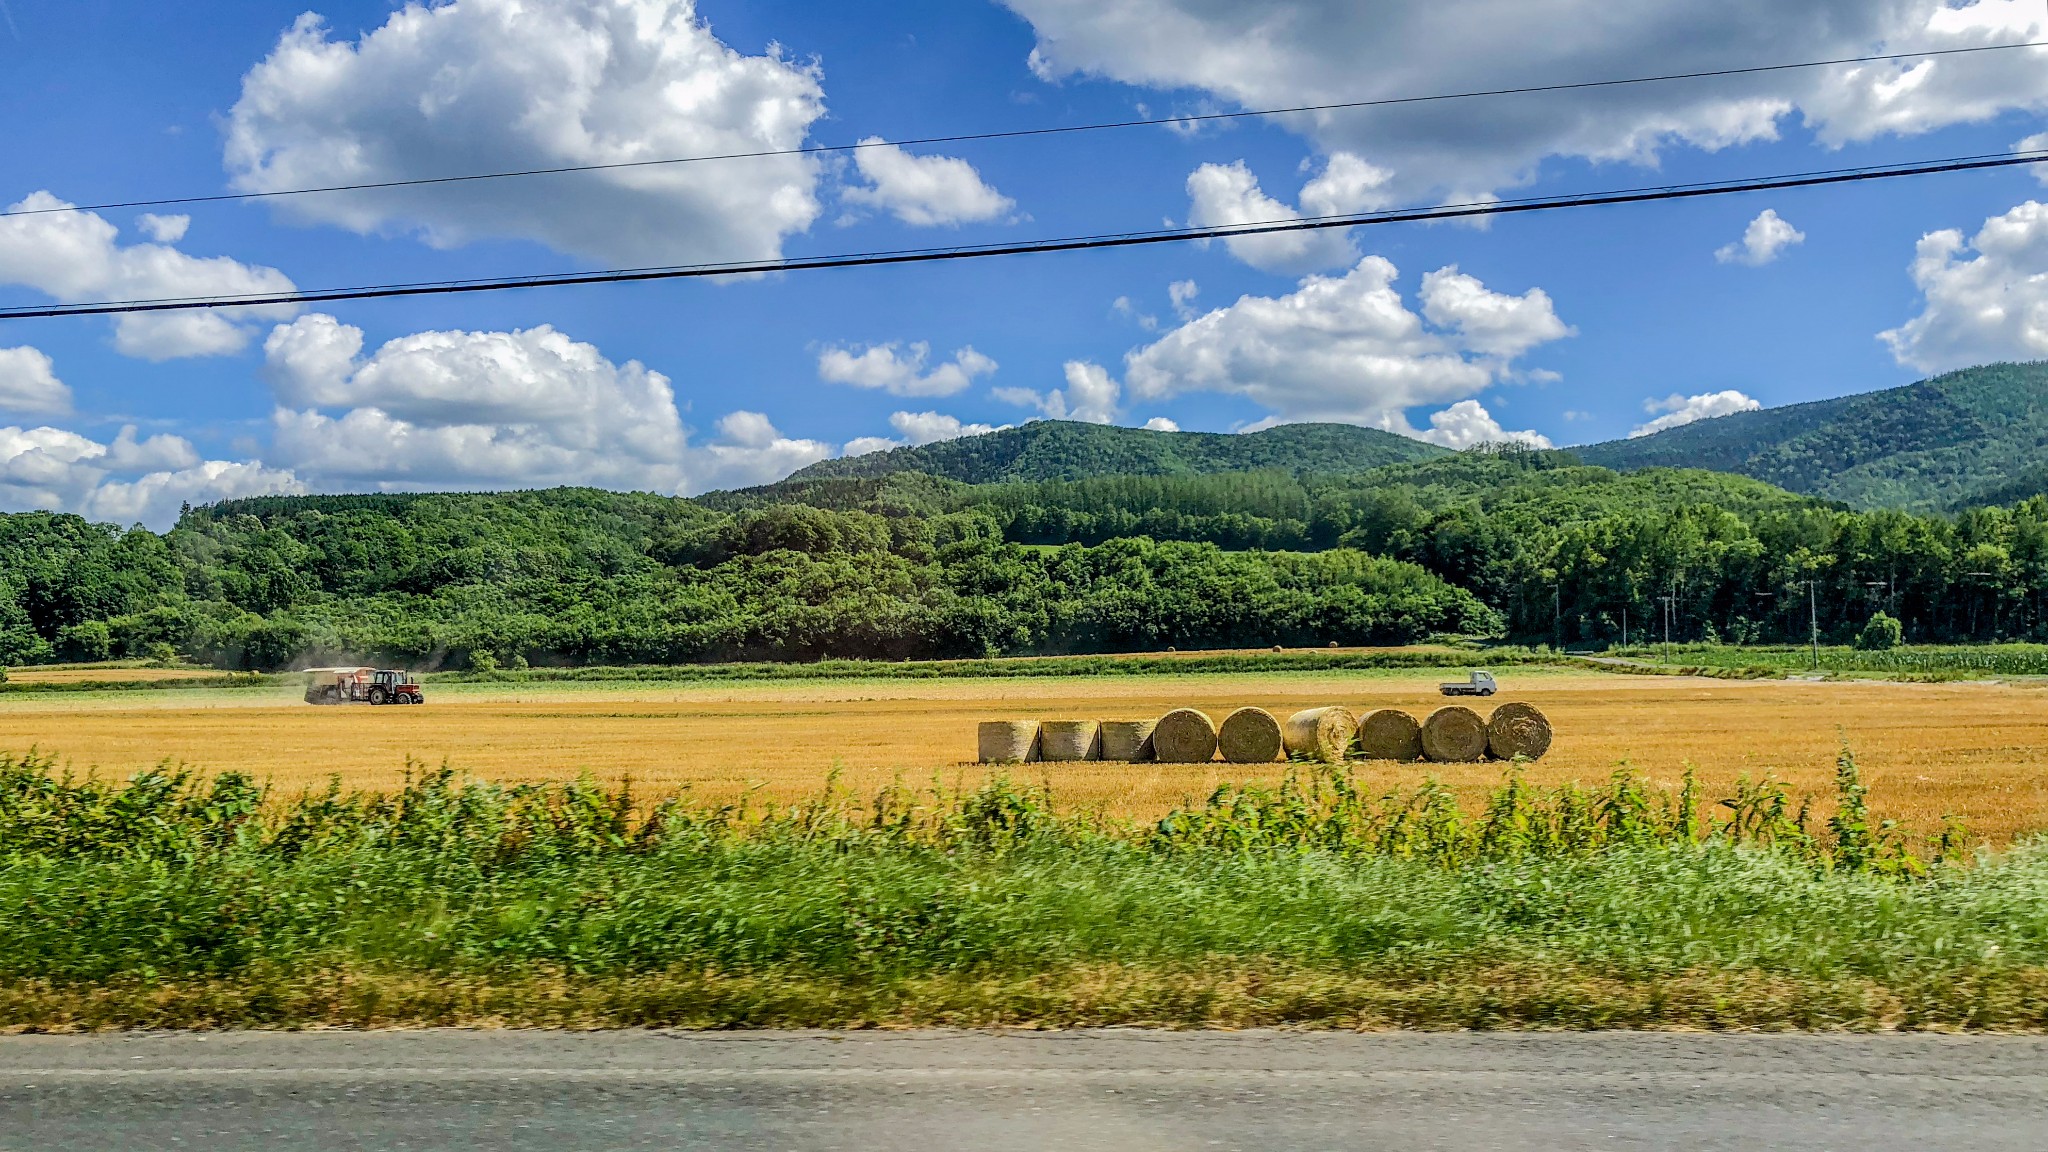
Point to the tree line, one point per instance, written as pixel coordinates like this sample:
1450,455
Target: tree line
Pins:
1532,546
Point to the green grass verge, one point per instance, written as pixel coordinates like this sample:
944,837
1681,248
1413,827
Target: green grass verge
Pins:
1931,661
164,902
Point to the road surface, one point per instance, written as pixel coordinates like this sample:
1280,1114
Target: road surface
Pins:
1125,1090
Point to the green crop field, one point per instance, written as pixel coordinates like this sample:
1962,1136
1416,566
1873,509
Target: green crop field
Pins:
165,902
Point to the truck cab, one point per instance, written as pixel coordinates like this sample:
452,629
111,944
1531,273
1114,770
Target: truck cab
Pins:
1479,684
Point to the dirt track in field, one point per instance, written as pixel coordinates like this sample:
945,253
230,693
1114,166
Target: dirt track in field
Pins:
1977,750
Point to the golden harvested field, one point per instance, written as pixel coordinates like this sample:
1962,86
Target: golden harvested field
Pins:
1978,750
105,673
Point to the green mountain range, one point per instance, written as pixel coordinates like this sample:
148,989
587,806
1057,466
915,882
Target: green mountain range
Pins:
1066,450
1968,438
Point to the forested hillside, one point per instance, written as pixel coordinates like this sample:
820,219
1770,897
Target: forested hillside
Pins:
1970,437
588,577
1067,450
1530,545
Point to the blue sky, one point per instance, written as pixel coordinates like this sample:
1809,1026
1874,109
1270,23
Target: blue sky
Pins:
1572,327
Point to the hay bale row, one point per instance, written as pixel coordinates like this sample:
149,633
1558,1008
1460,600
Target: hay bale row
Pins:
1451,735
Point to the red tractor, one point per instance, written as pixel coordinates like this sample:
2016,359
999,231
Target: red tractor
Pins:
362,686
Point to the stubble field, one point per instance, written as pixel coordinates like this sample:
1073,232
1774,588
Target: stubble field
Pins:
1978,751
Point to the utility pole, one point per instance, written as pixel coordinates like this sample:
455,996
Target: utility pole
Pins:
1557,616
1813,618
1624,625
1669,612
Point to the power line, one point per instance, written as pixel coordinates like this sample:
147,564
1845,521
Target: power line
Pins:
1021,133
1807,179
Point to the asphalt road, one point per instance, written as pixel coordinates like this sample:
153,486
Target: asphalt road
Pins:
1131,1091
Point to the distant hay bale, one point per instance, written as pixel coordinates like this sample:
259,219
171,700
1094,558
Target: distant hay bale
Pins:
1454,735
1069,740
1184,736
1390,734
1323,734
1127,740
1009,741
1250,736
1518,729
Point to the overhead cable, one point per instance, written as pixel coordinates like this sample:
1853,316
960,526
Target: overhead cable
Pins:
1470,210
1020,133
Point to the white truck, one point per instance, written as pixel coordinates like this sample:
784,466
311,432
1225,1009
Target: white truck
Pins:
1480,684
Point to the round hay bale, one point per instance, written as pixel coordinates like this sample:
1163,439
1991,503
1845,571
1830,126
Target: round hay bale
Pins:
1009,741
1390,734
1518,729
1184,736
1250,736
1068,740
1127,740
1454,735
1320,734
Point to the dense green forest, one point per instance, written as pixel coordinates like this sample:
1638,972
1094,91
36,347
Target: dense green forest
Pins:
1967,438
1068,450
583,576
1533,546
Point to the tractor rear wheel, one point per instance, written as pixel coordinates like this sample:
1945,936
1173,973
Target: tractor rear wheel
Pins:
379,696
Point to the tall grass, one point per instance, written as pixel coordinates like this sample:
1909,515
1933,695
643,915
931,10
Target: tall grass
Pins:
1931,660
171,901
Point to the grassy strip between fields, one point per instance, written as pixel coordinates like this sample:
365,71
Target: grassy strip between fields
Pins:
1002,668
167,901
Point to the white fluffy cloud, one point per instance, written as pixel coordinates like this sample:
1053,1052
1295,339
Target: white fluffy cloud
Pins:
932,427
28,383
77,257
1349,349
1224,195
1992,305
1091,395
924,191
1466,424
1227,195
900,371
1490,323
1766,237
523,409
499,85
1161,424
163,229
127,481
1679,410
1279,53
914,428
